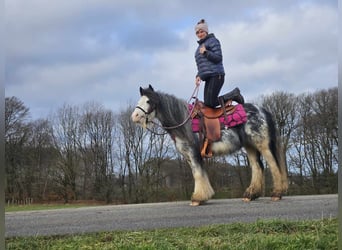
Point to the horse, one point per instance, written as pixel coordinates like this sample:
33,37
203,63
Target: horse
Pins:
258,135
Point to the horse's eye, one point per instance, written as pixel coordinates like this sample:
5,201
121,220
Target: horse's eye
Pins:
148,101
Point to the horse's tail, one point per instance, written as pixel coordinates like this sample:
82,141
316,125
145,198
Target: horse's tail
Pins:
277,149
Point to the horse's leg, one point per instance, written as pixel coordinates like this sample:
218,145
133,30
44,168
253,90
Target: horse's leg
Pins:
278,178
283,170
255,188
202,190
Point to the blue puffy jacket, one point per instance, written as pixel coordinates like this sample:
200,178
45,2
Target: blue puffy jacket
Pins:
210,63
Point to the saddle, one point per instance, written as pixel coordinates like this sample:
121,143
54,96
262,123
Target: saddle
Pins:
210,123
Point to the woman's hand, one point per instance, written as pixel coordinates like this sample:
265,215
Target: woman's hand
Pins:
202,49
198,81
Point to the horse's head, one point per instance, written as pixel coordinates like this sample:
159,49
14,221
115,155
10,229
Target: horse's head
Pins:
145,110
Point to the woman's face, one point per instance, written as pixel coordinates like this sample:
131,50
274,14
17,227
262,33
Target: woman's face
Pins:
201,34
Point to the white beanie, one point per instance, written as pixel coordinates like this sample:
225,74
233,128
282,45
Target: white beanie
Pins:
202,25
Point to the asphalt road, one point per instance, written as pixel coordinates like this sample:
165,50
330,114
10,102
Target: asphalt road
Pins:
166,215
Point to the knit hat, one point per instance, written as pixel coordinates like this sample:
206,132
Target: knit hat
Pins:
202,25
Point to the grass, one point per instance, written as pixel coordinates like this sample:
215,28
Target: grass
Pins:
272,234
33,207
41,206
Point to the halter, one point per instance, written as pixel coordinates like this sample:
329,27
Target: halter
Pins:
146,114
143,110
193,96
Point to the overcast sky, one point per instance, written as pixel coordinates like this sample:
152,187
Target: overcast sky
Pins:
79,51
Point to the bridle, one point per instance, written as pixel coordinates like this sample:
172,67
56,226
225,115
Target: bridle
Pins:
193,96
143,110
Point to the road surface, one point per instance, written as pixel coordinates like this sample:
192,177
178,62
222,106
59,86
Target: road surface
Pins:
166,215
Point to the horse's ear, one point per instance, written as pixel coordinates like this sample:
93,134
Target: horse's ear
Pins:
150,87
141,91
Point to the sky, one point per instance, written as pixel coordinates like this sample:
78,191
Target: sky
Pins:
79,51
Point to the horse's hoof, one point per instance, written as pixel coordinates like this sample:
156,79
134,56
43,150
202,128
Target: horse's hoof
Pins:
246,199
276,196
195,203
247,196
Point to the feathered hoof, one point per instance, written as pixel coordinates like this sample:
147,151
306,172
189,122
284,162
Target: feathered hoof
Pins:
247,196
276,196
196,203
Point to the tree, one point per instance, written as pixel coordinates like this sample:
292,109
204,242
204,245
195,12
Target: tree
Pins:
16,139
319,127
42,155
66,132
283,107
98,129
140,155
130,155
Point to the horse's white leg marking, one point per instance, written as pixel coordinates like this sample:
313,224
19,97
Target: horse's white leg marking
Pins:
202,190
277,177
282,169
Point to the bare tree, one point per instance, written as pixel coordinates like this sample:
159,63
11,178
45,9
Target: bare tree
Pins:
66,138
42,155
16,138
98,134
140,155
283,107
326,113
130,155
320,136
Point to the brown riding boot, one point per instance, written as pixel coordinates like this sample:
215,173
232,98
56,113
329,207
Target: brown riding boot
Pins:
233,95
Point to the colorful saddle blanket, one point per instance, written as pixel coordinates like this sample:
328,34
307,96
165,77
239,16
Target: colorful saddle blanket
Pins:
239,116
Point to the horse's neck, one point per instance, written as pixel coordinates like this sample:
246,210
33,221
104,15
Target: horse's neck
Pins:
171,114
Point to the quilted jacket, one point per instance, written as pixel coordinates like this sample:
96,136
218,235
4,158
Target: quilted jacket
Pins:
210,63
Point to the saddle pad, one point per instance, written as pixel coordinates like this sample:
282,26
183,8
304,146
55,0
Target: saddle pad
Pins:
234,119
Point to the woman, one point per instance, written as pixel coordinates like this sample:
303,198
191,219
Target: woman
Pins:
210,67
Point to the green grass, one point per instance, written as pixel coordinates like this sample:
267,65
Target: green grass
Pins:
33,207
272,234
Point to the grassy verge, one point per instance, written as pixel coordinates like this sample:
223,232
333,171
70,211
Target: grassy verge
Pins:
33,207
273,234
56,205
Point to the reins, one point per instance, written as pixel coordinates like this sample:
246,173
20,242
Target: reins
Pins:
193,96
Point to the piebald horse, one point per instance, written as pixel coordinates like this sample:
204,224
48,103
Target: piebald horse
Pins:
258,136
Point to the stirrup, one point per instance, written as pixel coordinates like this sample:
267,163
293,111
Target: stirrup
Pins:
205,146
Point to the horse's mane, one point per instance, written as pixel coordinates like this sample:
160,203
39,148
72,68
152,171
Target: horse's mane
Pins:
171,111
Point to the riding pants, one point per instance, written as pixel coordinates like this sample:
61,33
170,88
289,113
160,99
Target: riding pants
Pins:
212,89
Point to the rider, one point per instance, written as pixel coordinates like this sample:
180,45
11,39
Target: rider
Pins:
208,57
